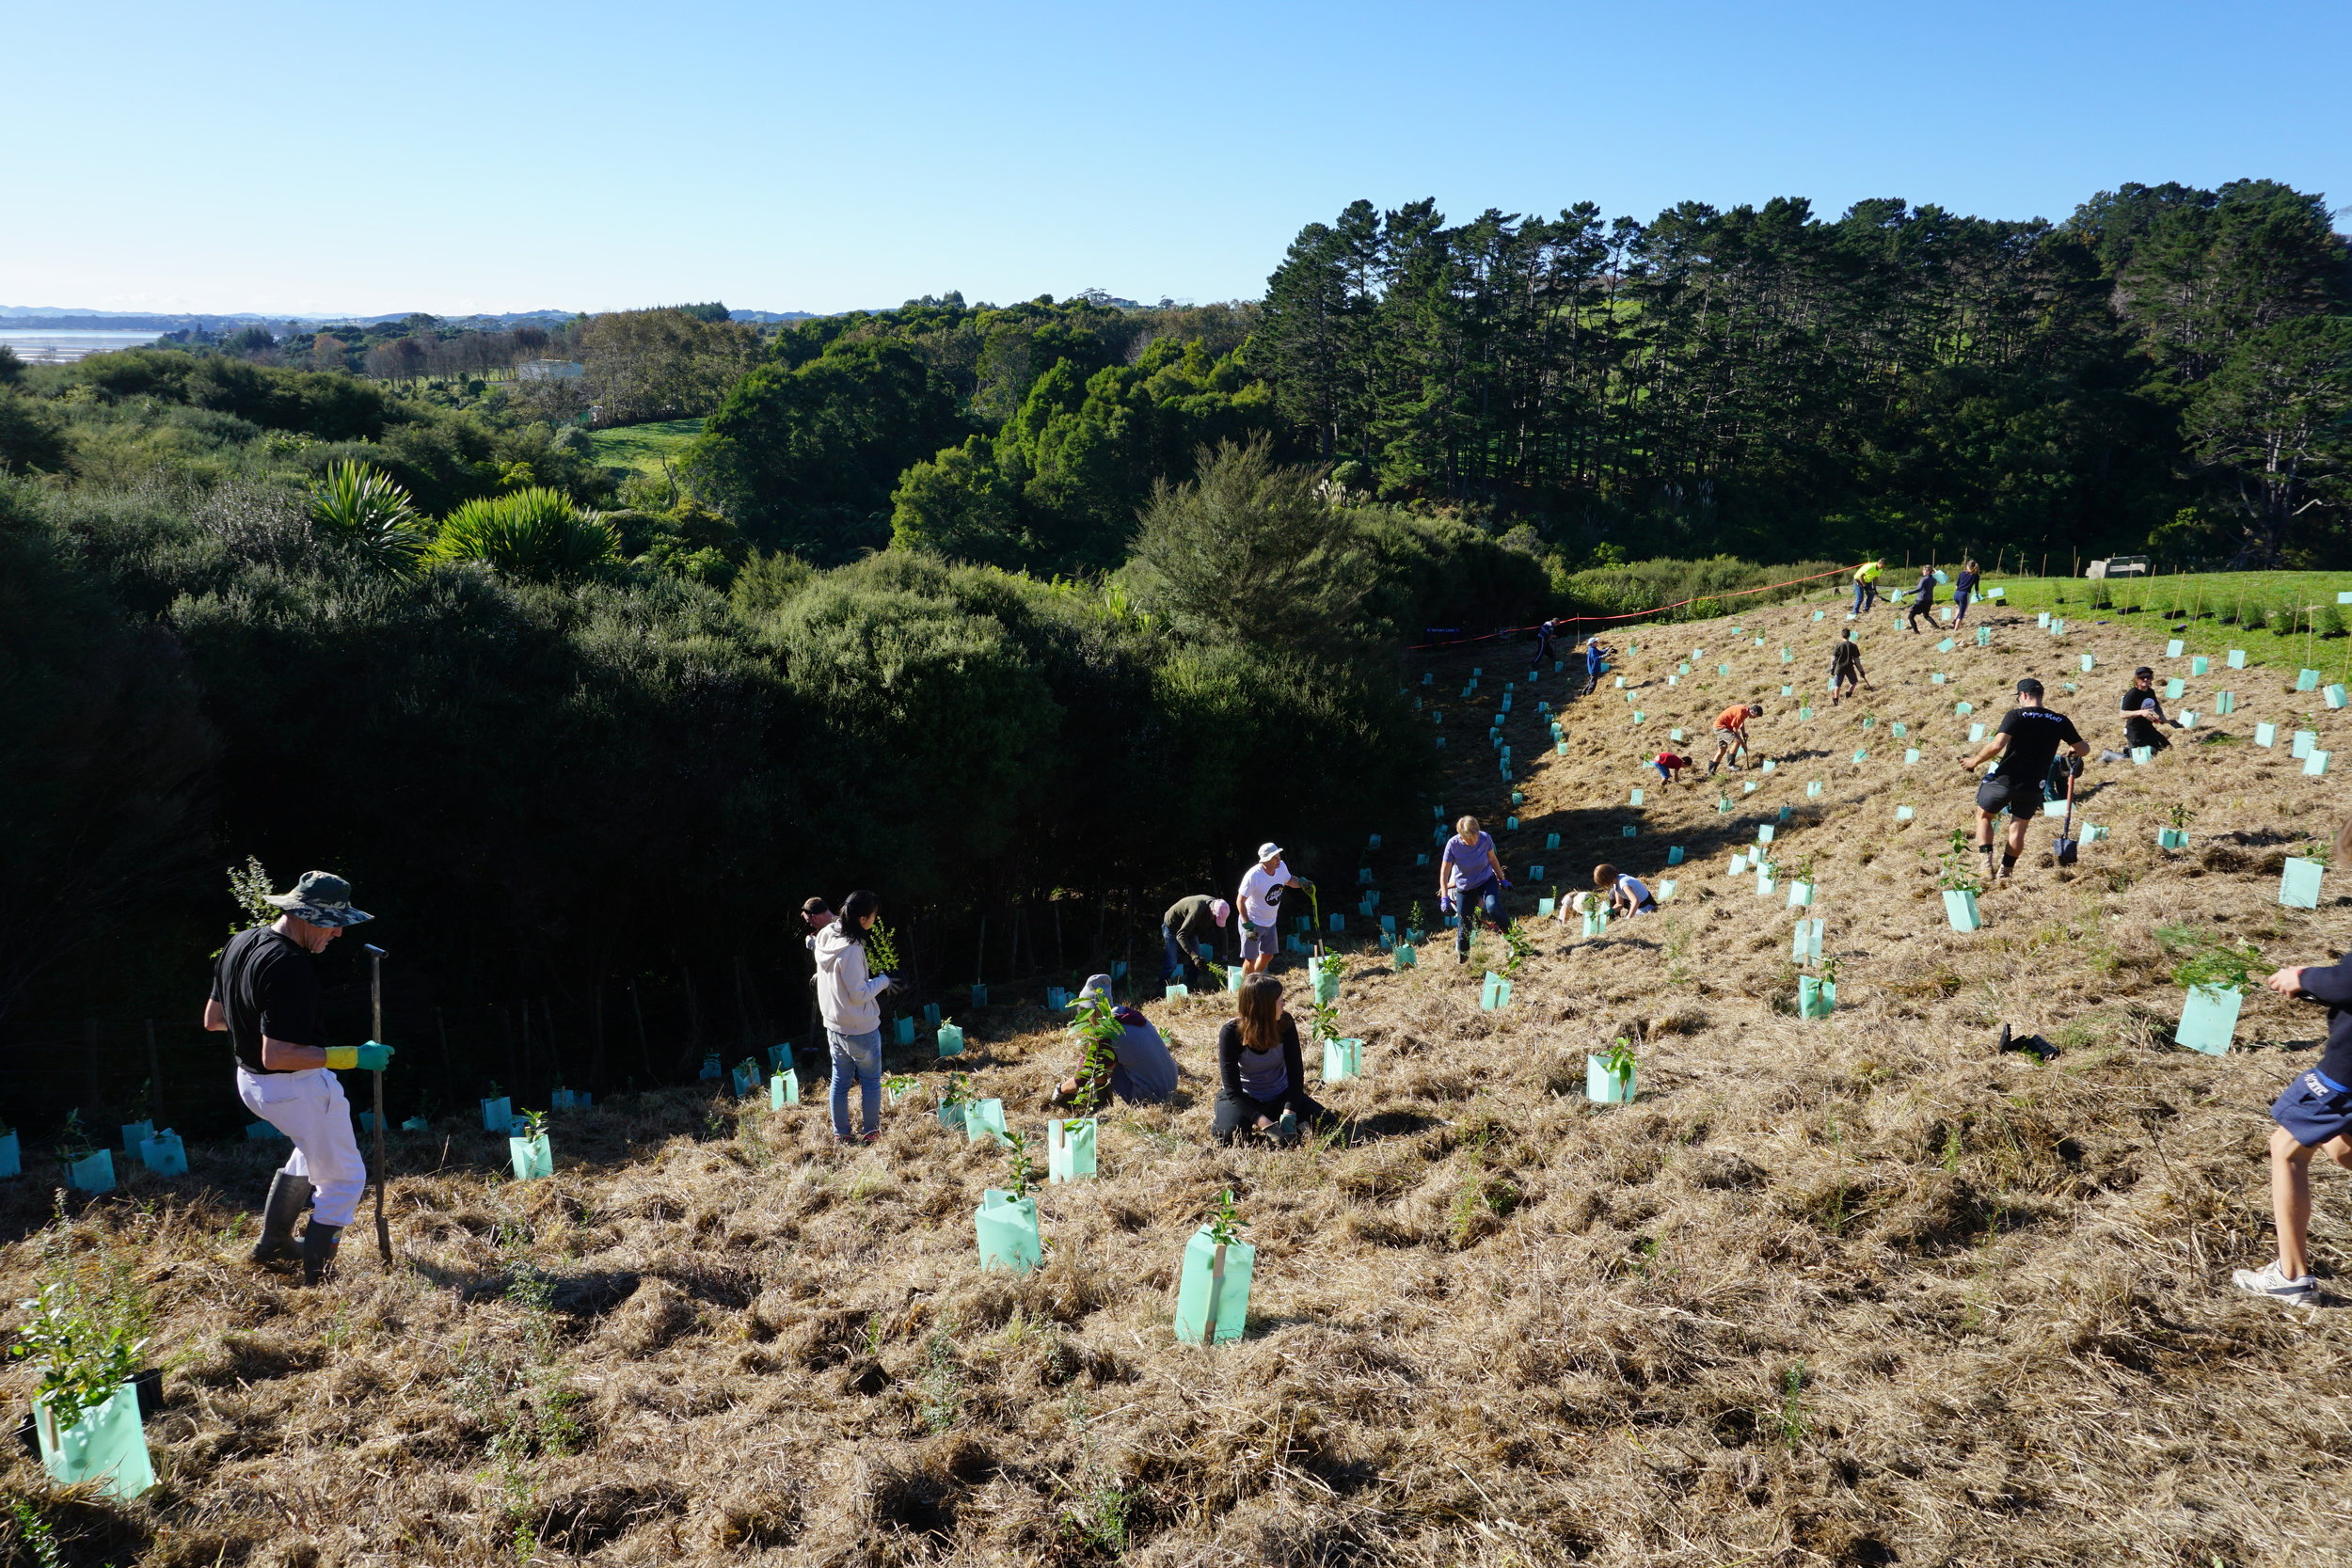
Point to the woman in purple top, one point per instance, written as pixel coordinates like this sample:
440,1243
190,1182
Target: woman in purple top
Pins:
1470,883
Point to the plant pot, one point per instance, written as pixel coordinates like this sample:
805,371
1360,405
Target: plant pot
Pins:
2298,885
1604,1087
498,1114
164,1154
784,1089
1007,1231
1815,997
950,1040
1069,1149
2209,1019
984,1118
1212,1289
1343,1060
1959,908
107,1444
95,1174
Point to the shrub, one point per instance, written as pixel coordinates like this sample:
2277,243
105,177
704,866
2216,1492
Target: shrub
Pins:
2330,621
2280,620
370,516
534,533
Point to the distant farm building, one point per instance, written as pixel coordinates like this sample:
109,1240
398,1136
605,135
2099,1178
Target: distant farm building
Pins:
552,370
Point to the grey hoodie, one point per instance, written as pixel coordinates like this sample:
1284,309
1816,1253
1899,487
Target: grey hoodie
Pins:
845,992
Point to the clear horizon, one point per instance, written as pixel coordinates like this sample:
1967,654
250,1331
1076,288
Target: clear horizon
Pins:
276,160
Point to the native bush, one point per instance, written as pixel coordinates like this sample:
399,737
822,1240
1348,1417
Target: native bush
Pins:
534,533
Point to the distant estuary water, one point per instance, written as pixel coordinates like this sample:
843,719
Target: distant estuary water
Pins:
37,346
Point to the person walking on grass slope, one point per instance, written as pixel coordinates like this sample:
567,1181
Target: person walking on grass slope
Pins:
845,995
1142,1071
1597,655
1188,924
1544,631
2314,1114
1628,894
265,998
1731,735
1964,589
1260,900
2027,743
1471,880
1262,1081
1845,667
1922,599
1865,587
2143,711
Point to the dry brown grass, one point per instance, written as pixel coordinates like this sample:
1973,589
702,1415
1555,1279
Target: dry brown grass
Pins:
1861,1290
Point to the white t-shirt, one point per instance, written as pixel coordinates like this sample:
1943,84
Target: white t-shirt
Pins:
1633,888
1262,893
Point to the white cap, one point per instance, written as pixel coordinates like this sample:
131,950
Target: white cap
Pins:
1268,850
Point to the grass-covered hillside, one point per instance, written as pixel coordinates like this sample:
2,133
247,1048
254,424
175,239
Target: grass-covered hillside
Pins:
1862,1290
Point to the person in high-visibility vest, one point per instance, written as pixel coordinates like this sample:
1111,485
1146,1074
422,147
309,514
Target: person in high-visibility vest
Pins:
1865,587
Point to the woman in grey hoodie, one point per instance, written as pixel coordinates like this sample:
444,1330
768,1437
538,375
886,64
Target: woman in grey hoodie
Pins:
845,995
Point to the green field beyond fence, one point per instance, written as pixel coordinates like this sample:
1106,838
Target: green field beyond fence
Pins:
641,448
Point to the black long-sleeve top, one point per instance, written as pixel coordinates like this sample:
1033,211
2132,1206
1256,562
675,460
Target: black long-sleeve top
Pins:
1246,1075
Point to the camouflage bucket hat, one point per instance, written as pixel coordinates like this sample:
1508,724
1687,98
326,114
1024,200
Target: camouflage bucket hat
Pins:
322,899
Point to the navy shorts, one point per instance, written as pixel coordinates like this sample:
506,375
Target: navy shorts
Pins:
2312,1110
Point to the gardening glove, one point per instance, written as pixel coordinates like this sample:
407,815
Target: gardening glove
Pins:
369,1058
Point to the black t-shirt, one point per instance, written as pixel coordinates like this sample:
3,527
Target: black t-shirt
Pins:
1844,656
2035,735
267,985
2134,696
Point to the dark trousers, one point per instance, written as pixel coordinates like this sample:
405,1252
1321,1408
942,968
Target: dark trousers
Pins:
1919,608
1237,1115
1471,902
1182,963
2143,732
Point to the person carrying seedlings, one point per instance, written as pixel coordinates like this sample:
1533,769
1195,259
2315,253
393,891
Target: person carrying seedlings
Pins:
1669,765
1922,599
2143,713
1963,588
1186,924
2027,743
1262,1081
845,995
1261,901
1845,667
1628,894
266,997
1470,882
1865,587
2314,1114
1731,735
1142,1070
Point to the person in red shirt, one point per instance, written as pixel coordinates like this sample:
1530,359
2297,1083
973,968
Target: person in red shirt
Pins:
1731,735
1668,765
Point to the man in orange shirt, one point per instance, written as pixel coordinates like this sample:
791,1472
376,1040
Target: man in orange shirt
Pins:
1731,735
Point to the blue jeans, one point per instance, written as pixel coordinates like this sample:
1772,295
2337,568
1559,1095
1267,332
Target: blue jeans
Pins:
1179,964
858,1056
1470,902
1865,595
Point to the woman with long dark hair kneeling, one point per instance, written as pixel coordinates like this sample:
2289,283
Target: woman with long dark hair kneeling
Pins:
1262,1078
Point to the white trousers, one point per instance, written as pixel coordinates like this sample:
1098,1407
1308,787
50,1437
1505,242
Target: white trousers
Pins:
309,1108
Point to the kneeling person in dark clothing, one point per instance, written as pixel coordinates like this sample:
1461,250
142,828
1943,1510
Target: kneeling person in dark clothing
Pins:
1142,1070
2143,711
1261,1077
2027,743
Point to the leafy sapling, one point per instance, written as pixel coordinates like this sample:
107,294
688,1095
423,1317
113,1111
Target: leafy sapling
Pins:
1024,1171
530,1124
1225,1223
2180,816
1618,1060
958,1092
882,951
1960,861
1098,1029
2221,966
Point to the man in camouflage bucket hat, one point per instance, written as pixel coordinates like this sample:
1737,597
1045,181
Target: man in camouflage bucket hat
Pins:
265,998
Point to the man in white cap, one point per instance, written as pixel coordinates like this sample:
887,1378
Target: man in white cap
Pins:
265,998
1188,925
1260,903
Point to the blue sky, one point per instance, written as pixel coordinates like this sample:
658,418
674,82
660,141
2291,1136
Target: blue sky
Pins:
511,154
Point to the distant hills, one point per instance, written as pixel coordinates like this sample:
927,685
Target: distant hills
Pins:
61,319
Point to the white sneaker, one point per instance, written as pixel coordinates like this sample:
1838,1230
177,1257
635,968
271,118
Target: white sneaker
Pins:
2269,1281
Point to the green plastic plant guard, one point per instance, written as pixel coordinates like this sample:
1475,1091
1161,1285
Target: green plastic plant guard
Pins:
2209,1019
1812,788
902,1031
2189,717
1985,637
984,1118
2174,648
1767,880
11,1156
2173,687
1764,834
743,1083
1911,756
2298,884
2304,742
2236,659
1596,922
1815,997
2042,619
2200,665
260,1132
951,1116
2307,680
950,1040
498,1114
1800,895
2334,694
1860,754
1964,710
784,1089
1494,992
580,1100
1674,854
107,1444
532,1157
1551,841
2316,764
1406,956
416,1124
2171,838
1902,813
2092,834
931,1014
979,995
1959,908
1723,669
95,1174
1770,764
1233,977
135,1134
2265,734
1666,889
1212,1289
1534,873
2089,663
1604,1087
1938,679
1945,646
1069,1149
1805,713
1806,943
1006,1228
2225,702
367,1121
2057,625
1343,1060
1637,716
164,1154
1975,732
1673,735
1544,908
1517,799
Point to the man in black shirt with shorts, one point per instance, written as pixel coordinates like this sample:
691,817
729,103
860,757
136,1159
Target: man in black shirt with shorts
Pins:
265,998
2027,743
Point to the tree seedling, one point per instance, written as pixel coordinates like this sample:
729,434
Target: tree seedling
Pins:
1225,1223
